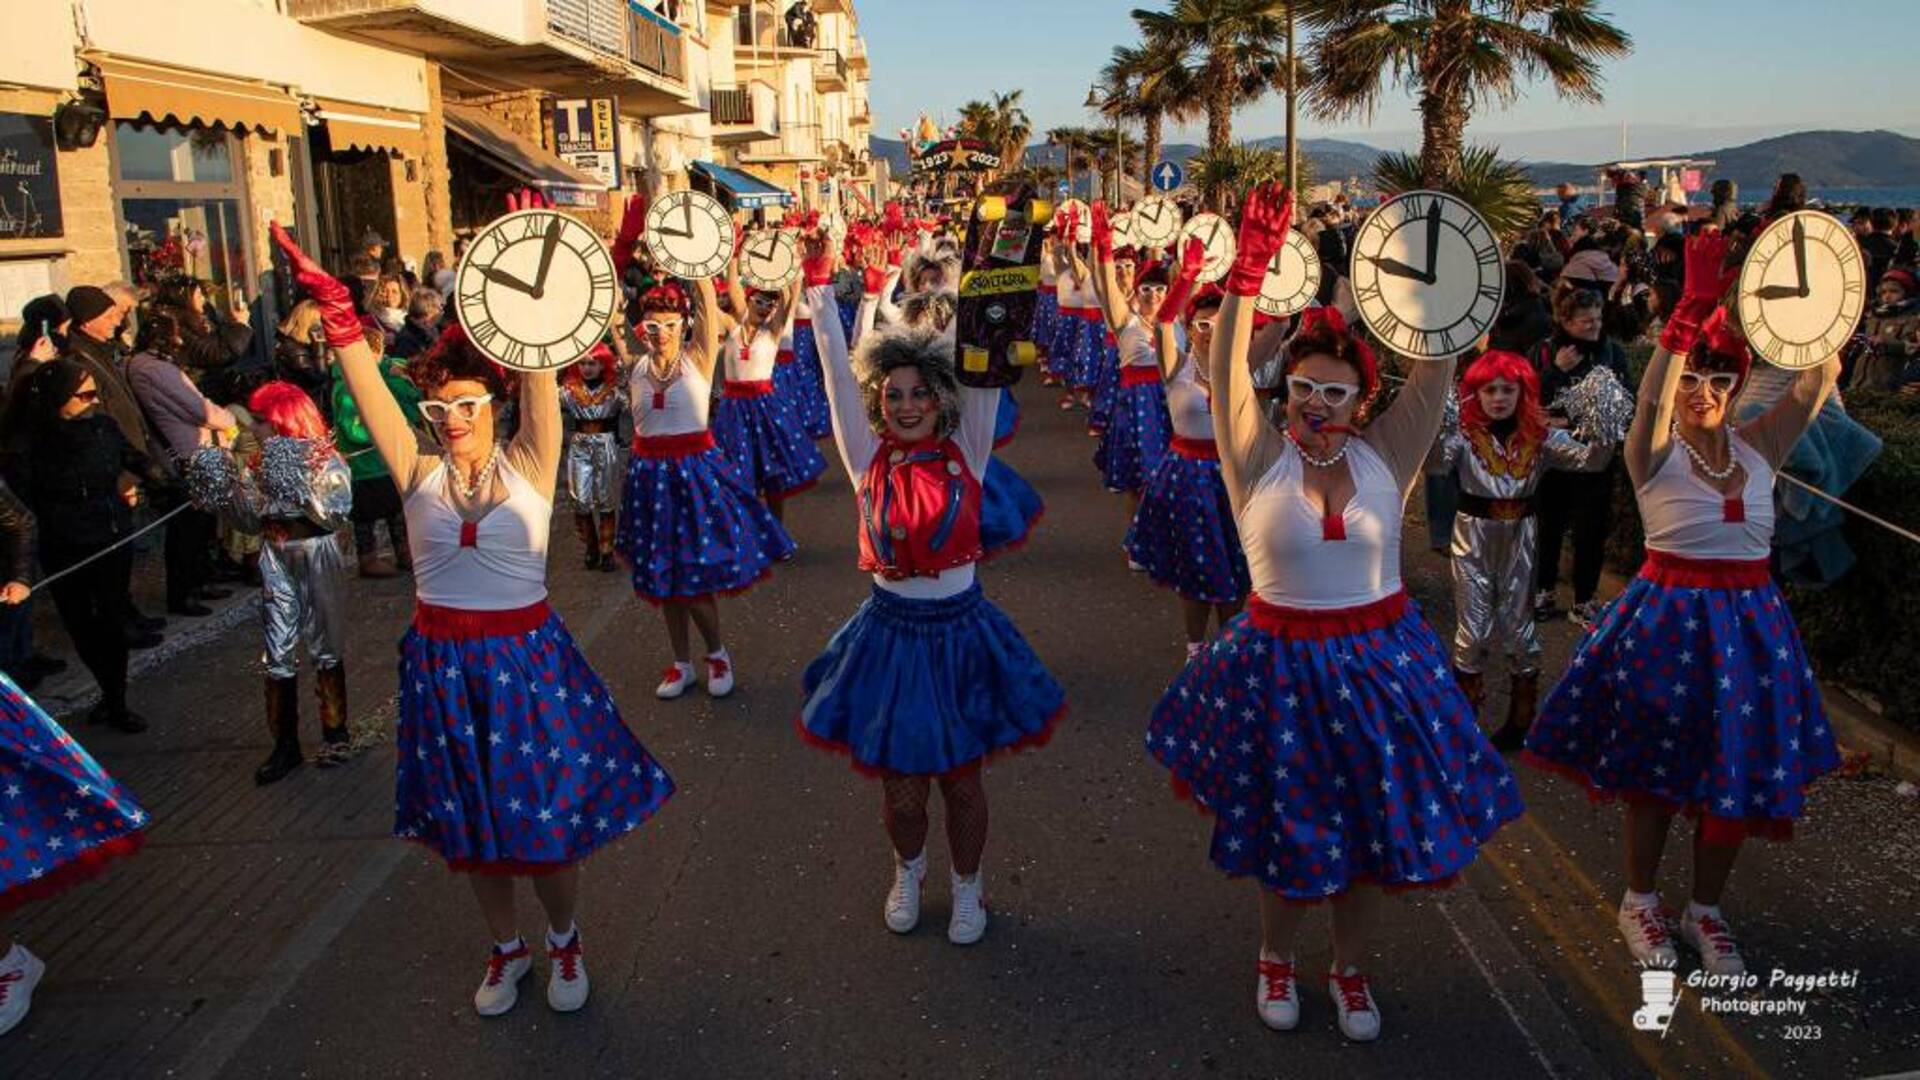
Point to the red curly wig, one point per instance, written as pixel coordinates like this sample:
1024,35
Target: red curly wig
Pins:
289,411
1498,366
454,358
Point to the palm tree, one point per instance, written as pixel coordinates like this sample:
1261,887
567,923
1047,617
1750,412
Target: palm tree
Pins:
1501,190
1148,83
1080,145
1232,48
1000,123
1458,55
1223,179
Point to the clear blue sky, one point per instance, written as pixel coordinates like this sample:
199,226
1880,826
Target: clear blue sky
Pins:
1714,64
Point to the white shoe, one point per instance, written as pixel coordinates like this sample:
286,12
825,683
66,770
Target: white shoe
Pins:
20,972
501,988
1710,935
969,921
1359,1016
1194,649
674,681
1277,994
719,674
1648,939
567,980
903,900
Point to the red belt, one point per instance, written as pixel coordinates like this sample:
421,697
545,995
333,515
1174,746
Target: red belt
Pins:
1050,290
798,323
784,356
461,624
1678,571
1139,374
1197,449
673,446
1292,622
746,388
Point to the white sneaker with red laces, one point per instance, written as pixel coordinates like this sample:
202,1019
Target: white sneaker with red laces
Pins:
1648,939
719,674
1706,930
1277,994
20,972
903,900
567,982
1359,1016
501,988
674,681
968,923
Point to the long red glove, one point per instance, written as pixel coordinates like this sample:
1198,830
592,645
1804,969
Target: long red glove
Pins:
1263,228
632,223
816,260
1706,280
528,199
1180,293
1102,232
874,278
338,320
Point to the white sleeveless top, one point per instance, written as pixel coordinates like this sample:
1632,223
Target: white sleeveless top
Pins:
754,363
1136,345
1188,403
505,568
678,408
1291,562
1684,516
1068,289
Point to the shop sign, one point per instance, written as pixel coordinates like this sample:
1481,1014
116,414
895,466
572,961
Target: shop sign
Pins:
29,178
586,135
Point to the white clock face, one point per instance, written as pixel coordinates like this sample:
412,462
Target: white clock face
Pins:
1123,230
1427,275
690,235
1156,221
1083,231
1217,235
1293,277
1802,289
535,289
770,259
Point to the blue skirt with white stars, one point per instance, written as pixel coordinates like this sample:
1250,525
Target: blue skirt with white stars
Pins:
1333,748
1135,438
690,528
1692,691
801,380
1184,532
512,757
62,818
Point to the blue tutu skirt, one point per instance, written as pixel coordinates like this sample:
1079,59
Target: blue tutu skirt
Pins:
62,818
1046,316
1333,749
1106,390
1692,691
1009,509
1136,438
1006,422
1184,533
512,756
928,687
849,314
801,381
1089,353
764,440
1065,356
689,527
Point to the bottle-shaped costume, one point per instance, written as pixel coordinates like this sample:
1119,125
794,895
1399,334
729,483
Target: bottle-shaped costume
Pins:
757,429
690,527
1137,431
928,677
592,456
1183,533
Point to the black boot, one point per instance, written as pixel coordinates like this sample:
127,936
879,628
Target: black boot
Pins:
335,742
1523,692
283,723
608,533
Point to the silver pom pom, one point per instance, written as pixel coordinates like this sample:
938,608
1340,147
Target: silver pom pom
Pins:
1450,415
286,470
212,477
1599,408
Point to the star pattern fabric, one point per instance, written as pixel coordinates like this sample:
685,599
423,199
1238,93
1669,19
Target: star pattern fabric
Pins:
512,756
1046,319
797,378
1184,533
1070,353
1701,699
1006,420
1089,350
691,528
1009,509
1135,439
62,818
1105,383
765,442
1332,760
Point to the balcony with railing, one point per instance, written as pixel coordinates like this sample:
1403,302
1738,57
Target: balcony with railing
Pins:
829,70
745,113
655,43
857,59
797,142
761,38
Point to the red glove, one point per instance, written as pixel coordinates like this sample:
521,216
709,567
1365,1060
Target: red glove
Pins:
528,199
337,318
1706,281
632,223
1102,232
874,278
1069,225
1263,228
896,218
1188,274
894,251
816,260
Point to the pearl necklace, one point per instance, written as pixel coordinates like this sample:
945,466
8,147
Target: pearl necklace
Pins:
1718,476
1318,463
482,481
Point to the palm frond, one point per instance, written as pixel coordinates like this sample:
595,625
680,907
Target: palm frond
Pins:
1501,190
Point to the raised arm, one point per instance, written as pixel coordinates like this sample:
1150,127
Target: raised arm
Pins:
632,223
1113,306
1404,433
1166,339
535,449
877,284
1248,445
851,431
1775,431
1707,279
708,322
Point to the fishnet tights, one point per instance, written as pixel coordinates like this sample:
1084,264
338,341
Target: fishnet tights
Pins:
904,809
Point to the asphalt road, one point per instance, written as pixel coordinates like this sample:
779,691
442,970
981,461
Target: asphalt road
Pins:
280,932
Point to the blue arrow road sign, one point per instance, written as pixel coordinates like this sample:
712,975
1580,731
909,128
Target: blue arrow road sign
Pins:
1167,176
1063,189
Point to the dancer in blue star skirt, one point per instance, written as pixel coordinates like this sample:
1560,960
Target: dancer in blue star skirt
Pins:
929,678
691,529
512,759
1183,535
758,429
1323,729
796,375
1692,692
1135,437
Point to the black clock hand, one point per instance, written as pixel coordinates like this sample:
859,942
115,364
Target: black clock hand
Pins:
1778,292
1398,269
686,217
551,241
1433,241
765,254
501,277
1800,254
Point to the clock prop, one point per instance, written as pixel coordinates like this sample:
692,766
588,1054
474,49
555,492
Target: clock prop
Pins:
690,235
1428,275
1214,232
535,290
1293,278
1802,288
770,259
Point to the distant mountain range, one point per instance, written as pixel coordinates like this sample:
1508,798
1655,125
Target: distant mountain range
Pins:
1824,159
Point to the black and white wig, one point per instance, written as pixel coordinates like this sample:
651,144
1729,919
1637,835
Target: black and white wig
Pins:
928,350
931,310
942,263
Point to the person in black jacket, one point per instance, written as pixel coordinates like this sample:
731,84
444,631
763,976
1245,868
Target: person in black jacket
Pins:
1576,501
71,465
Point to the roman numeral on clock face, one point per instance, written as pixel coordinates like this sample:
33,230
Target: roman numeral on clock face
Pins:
483,331
533,226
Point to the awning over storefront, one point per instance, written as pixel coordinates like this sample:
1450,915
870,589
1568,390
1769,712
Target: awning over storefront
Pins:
517,156
135,89
746,191
364,127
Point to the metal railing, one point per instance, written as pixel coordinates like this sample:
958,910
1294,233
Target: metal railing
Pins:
732,106
600,25
655,44
831,60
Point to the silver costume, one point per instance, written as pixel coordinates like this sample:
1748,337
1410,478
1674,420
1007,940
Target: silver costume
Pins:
592,457
1496,540
303,576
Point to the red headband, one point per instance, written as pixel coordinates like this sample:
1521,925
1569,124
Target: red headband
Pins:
1329,319
667,296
